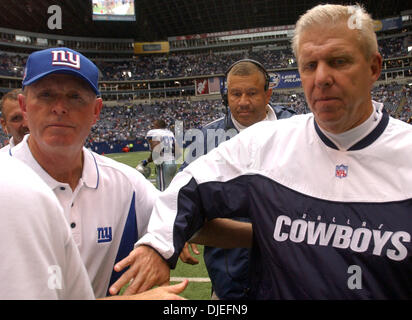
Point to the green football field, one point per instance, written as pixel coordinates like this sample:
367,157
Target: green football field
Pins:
199,288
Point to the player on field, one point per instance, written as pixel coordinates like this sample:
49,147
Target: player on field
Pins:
329,193
12,120
247,97
107,204
162,152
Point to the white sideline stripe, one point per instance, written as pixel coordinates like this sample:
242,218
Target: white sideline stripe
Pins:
180,279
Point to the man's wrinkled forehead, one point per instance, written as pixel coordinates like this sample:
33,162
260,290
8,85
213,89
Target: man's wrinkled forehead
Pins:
62,81
340,40
10,107
255,79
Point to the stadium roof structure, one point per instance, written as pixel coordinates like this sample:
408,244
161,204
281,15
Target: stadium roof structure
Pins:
160,19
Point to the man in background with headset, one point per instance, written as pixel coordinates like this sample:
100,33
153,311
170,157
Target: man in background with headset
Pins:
247,97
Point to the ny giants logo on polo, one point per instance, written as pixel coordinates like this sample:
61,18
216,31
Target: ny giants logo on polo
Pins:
65,58
104,234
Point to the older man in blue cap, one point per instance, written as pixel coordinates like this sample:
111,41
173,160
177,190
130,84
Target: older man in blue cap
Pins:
107,204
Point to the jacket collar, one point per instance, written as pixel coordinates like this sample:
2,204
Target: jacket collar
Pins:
364,142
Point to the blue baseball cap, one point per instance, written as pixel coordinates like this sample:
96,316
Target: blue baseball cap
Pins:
60,60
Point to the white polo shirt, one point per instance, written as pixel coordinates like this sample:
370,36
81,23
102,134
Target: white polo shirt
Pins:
107,212
40,258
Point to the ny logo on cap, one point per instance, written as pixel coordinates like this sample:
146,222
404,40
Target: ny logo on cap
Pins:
66,58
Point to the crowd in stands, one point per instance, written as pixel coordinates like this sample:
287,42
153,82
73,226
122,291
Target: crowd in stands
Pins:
396,98
131,121
128,122
11,65
394,47
179,65
184,65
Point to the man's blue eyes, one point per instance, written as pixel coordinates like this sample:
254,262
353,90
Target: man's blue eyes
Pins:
333,62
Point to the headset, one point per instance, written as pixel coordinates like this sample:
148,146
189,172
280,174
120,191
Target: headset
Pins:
223,91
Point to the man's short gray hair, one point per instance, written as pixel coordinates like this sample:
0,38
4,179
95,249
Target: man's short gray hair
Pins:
328,15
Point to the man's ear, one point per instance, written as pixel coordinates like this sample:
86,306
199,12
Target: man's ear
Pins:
268,95
376,66
97,109
22,102
3,125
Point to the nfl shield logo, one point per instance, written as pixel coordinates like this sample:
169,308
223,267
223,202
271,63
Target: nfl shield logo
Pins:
341,171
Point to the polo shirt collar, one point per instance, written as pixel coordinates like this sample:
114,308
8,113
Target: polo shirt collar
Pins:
90,174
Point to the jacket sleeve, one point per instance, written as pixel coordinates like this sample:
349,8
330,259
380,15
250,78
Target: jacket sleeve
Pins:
207,189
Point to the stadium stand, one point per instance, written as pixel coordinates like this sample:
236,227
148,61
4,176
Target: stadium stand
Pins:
140,88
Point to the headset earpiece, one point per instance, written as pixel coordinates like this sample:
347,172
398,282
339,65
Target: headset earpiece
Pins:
225,99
